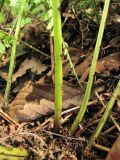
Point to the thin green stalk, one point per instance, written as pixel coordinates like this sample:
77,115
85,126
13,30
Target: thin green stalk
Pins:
21,152
104,117
92,70
66,53
1,4
26,44
13,52
58,63
3,157
93,3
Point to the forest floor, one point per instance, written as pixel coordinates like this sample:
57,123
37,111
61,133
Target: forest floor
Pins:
31,98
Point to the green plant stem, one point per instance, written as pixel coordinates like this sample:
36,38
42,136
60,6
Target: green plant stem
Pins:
66,53
104,117
13,52
58,63
3,157
26,44
93,3
13,151
92,70
1,4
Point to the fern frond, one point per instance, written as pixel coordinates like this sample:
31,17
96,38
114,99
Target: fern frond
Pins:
66,53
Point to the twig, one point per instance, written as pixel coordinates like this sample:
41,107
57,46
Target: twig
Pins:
106,149
26,44
66,137
34,135
108,130
35,49
8,118
115,123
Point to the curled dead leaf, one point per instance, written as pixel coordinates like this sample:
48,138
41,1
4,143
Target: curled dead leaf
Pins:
32,64
114,153
33,101
33,110
106,64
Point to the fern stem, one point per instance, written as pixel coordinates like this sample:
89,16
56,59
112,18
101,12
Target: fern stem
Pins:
93,3
1,4
92,70
58,63
13,53
104,117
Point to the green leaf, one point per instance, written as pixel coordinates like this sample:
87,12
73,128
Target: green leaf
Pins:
2,18
40,8
37,1
2,48
13,3
2,35
50,25
25,21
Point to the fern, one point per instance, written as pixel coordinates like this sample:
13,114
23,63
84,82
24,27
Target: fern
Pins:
14,3
43,10
66,53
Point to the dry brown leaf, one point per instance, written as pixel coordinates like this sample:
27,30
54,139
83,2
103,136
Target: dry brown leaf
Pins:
80,69
34,110
1,100
34,101
108,63
117,18
3,75
32,64
114,153
114,42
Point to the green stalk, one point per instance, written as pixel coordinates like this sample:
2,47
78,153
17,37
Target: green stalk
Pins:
93,3
104,117
13,52
58,63
1,4
92,70
20,152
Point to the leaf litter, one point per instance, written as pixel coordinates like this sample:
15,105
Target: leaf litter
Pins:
32,107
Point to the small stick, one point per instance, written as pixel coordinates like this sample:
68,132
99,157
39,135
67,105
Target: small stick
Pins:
106,149
115,123
62,136
8,118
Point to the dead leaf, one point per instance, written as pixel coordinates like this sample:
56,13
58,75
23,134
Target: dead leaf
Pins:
108,63
114,42
34,101
80,69
33,110
117,18
33,64
1,100
114,153
3,75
